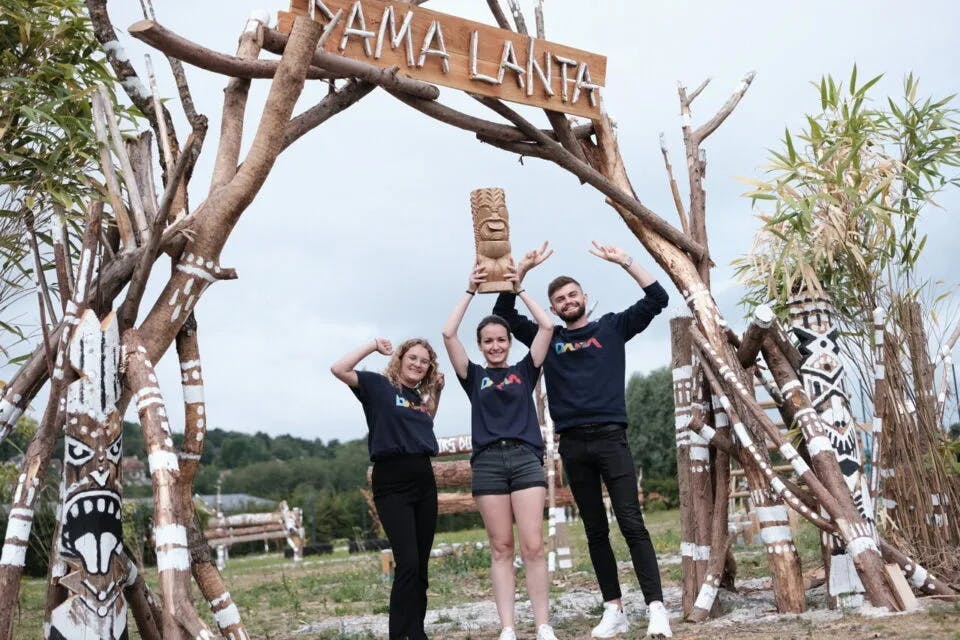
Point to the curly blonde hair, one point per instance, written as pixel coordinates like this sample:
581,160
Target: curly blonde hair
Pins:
429,385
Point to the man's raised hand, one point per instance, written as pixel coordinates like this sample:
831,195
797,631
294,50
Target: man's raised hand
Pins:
610,253
533,258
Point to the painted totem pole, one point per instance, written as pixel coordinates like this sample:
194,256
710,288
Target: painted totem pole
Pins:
822,373
92,567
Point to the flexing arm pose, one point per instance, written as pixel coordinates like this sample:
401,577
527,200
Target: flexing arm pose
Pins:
344,369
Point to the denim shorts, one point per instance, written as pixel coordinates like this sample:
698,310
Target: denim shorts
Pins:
505,466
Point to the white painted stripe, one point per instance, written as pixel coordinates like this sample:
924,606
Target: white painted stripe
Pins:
13,555
799,466
707,432
919,576
551,561
20,512
683,372
888,473
858,545
742,434
681,421
699,452
563,551
889,504
220,599
788,451
721,419
819,444
195,271
9,412
147,391
777,485
227,616
701,552
192,393
149,402
790,387
177,559
162,460
18,529
697,440
565,563
773,535
935,499
687,549
175,534
708,593
776,513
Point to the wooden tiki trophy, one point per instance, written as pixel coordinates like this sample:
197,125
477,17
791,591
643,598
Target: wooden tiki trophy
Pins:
491,233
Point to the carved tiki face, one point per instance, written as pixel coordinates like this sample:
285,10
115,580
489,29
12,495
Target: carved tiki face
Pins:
91,538
490,217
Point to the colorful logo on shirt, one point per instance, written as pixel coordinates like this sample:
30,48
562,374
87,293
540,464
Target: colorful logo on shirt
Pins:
403,402
563,347
510,379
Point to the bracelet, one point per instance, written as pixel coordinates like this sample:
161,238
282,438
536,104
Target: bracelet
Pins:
629,261
519,292
472,293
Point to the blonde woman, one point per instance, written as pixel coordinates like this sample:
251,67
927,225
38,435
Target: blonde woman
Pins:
399,406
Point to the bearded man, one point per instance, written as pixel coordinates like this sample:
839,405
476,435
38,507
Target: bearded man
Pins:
585,370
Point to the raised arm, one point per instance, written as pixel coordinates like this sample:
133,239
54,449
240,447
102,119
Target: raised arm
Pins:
345,368
455,350
620,257
541,341
522,328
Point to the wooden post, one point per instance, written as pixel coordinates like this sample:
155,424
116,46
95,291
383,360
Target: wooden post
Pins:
823,375
681,359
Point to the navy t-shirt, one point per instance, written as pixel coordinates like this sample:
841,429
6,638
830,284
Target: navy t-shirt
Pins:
397,419
585,367
501,402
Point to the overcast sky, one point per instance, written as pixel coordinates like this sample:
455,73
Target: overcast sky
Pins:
363,228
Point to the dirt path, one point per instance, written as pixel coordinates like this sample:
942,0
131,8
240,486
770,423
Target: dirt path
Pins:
749,613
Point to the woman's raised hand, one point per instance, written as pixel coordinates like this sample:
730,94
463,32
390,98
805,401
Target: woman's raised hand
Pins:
477,276
384,346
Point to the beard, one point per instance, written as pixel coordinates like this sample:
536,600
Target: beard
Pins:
574,314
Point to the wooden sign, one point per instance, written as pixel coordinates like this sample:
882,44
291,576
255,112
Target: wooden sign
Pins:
453,52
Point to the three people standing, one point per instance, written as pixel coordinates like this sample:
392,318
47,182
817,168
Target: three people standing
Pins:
584,363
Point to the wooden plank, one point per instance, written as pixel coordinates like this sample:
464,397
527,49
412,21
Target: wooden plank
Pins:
901,589
464,70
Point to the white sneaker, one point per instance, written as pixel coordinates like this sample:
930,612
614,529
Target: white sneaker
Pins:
508,634
659,626
545,632
613,623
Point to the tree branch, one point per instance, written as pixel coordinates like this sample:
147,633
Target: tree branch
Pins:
234,107
162,39
127,76
341,67
674,188
704,130
331,105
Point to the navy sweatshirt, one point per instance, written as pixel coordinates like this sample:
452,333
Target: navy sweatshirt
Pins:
397,419
501,402
585,367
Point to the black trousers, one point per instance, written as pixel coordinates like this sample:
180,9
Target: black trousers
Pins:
600,453
405,493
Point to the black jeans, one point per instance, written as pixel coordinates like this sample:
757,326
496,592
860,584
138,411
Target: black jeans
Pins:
405,493
595,453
